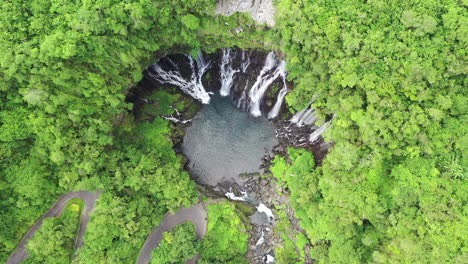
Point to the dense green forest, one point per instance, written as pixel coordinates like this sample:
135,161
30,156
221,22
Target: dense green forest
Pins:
178,245
391,190
226,239
54,241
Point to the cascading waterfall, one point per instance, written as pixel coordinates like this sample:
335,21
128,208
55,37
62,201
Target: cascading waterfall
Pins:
261,240
319,131
227,73
201,63
242,77
245,62
304,117
193,86
178,119
257,91
279,101
264,80
269,259
231,196
261,208
250,97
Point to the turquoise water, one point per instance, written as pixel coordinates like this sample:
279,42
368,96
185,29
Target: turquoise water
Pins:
224,142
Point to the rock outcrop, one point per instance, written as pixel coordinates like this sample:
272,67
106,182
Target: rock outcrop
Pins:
262,11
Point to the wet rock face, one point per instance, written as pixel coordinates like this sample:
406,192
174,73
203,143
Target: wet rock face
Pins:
262,11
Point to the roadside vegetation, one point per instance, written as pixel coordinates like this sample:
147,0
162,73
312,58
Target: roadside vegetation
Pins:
177,246
226,238
54,242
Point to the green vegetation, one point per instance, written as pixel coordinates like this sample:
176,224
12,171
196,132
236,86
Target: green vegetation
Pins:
391,190
177,246
294,172
226,239
292,249
393,187
54,242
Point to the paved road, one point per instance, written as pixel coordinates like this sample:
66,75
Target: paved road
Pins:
197,214
56,210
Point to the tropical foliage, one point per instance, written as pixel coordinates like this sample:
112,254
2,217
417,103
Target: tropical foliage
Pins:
391,190
393,187
226,239
178,245
54,242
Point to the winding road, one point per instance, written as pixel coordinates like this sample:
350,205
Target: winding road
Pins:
56,210
196,214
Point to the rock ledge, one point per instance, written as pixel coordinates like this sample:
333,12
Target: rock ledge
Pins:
262,11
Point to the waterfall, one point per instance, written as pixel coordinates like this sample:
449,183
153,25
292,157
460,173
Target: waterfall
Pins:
301,131
269,259
193,86
304,117
248,99
227,73
319,131
176,120
279,101
201,63
242,101
231,196
245,62
264,79
261,208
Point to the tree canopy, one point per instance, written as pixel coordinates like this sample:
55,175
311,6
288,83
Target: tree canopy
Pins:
393,187
391,190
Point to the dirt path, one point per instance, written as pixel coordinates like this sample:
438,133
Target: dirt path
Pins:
56,210
196,214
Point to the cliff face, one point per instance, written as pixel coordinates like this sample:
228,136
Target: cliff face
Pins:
262,11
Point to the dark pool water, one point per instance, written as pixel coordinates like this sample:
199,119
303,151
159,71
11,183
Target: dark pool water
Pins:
224,142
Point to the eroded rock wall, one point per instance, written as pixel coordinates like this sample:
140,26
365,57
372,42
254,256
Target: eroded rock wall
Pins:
262,11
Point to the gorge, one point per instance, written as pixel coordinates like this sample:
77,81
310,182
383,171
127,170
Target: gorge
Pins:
242,123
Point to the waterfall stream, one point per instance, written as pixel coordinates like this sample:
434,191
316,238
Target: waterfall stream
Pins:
227,73
272,69
193,85
240,80
231,64
235,65
277,107
304,117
